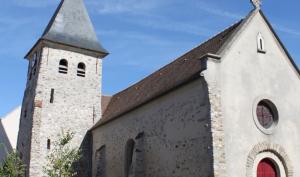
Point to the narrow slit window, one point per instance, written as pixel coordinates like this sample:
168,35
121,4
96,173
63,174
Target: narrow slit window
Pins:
81,70
63,66
25,113
34,60
34,63
29,71
30,75
48,144
52,96
34,71
260,43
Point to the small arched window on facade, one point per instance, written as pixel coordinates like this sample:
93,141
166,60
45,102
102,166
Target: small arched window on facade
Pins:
81,70
260,43
129,153
63,66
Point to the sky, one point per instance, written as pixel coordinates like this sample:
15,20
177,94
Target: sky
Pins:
141,35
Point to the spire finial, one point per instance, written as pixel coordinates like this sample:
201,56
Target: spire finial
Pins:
256,3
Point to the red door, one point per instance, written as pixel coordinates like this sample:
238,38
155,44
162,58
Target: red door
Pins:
266,168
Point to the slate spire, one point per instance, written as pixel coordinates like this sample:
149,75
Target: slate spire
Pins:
71,25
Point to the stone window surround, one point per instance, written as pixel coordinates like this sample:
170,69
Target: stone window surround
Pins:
260,43
272,151
269,155
273,100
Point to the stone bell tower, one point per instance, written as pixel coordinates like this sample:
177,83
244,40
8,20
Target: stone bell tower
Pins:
63,90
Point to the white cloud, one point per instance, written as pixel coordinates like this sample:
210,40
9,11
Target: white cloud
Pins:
204,6
9,24
148,14
142,6
287,30
34,3
122,6
163,23
139,36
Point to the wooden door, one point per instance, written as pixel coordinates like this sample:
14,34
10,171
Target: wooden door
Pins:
266,168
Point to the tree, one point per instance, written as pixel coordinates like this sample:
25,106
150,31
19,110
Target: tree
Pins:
62,158
12,166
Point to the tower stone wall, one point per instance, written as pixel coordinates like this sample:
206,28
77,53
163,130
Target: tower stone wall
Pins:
76,104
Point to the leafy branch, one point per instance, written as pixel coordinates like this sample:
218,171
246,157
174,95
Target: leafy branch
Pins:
62,157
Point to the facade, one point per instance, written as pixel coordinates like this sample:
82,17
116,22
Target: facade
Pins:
229,107
9,127
63,91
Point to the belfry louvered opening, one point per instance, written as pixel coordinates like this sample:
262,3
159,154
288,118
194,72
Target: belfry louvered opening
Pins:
63,66
81,70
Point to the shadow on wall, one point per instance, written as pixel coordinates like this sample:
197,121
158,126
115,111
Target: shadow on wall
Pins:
5,146
182,139
84,165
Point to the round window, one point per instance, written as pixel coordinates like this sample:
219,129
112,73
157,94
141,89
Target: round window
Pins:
266,116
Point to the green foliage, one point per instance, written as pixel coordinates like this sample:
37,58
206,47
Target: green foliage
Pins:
12,166
62,157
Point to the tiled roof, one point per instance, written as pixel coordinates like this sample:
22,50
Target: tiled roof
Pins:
180,71
104,102
71,25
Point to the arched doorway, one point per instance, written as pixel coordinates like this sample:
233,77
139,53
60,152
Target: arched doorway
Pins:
266,168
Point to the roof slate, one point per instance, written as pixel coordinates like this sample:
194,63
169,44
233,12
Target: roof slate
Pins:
180,71
71,25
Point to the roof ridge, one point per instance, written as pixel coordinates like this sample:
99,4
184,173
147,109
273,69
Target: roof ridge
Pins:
166,78
216,34
53,17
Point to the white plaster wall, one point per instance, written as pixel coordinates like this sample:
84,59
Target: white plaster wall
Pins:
177,135
245,76
10,123
9,127
5,146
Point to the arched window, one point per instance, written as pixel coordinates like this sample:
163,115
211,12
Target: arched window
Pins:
63,66
260,43
81,70
129,153
100,160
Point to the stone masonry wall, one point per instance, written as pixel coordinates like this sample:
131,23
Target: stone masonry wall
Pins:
26,119
76,106
176,136
211,76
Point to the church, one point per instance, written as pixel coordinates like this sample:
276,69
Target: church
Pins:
227,108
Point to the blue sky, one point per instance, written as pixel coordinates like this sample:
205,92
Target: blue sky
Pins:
141,35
